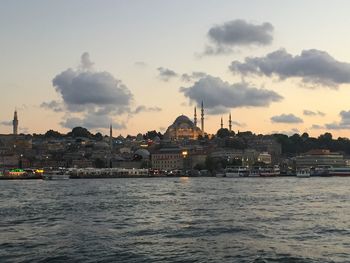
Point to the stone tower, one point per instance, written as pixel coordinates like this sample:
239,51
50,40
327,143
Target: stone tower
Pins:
229,122
15,123
111,137
195,117
202,118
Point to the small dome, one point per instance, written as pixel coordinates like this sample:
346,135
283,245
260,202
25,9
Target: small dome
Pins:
101,145
143,152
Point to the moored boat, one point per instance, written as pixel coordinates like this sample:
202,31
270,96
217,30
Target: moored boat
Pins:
236,172
339,171
55,175
270,171
322,170
255,172
303,173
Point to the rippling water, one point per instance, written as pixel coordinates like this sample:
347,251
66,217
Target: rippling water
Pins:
176,220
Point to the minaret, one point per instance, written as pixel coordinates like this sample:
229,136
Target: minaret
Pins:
15,123
230,123
202,118
222,124
195,117
111,137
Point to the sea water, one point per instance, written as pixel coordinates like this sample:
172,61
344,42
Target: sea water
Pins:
176,220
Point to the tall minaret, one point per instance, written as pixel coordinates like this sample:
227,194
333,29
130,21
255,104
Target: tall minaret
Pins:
222,124
195,117
15,123
111,137
202,118
230,123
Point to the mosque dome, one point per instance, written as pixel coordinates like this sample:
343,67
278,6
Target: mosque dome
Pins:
183,128
181,120
101,145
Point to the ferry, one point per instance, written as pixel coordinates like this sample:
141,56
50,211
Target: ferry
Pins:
322,170
303,173
255,172
236,172
55,175
220,174
270,171
339,171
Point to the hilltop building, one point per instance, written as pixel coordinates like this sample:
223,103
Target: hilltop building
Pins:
184,128
315,158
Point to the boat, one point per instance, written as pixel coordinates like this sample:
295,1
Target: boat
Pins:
339,171
236,172
270,171
55,175
322,170
303,173
255,172
220,174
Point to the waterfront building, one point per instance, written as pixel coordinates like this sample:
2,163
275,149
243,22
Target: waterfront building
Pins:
167,159
228,154
315,158
267,144
265,158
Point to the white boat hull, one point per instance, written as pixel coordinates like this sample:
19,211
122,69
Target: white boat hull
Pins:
55,176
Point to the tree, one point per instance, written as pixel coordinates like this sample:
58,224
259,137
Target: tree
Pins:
327,137
305,136
98,136
53,134
80,132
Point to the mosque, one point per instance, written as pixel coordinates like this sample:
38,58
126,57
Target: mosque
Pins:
184,128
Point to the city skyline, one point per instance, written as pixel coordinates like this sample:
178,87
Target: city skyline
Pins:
93,64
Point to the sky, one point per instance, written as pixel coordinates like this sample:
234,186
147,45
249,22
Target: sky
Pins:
276,66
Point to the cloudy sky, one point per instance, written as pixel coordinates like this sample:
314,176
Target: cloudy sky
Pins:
276,66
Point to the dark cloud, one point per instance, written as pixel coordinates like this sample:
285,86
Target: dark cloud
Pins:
312,66
316,127
166,74
238,124
288,132
53,105
192,76
343,124
94,97
219,96
217,110
286,118
313,113
143,108
237,33
91,89
6,123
